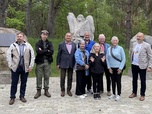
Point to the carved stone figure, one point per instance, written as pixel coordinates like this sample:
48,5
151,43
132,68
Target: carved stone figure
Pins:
78,26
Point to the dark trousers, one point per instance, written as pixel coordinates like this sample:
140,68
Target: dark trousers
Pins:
15,77
80,82
69,78
142,72
88,81
97,82
116,81
108,80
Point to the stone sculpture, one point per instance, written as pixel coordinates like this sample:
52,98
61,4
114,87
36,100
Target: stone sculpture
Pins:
78,26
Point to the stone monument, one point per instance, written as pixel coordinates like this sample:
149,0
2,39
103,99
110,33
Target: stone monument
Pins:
147,39
78,26
7,37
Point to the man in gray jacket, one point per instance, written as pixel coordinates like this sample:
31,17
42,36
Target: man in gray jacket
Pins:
141,58
20,57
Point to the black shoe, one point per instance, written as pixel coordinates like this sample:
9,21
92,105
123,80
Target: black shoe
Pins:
95,96
98,96
23,99
11,102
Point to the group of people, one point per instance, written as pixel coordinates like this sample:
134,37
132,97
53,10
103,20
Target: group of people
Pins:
89,59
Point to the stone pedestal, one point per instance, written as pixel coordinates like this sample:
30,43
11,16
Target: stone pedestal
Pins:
148,76
5,77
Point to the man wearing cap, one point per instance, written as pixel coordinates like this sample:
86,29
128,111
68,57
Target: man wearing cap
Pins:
44,50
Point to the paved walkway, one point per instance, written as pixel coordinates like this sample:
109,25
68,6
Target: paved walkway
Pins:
74,105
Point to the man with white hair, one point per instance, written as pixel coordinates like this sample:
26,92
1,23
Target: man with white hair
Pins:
104,48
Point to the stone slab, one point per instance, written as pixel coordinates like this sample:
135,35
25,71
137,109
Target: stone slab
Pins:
6,39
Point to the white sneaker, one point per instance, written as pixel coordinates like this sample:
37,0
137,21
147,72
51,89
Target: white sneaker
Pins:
85,95
82,97
90,91
117,98
112,96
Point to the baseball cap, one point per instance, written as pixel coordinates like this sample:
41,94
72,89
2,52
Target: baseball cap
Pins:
44,32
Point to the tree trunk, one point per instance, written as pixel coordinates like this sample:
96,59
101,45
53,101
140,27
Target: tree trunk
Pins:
128,23
28,17
53,9
3,6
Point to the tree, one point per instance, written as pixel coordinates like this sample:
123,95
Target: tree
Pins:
3,7
28,17
52,14
128,23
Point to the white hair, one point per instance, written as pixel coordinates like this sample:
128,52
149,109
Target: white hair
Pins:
93,50
81,41
114,38
102,35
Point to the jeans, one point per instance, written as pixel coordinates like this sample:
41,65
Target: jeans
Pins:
15,77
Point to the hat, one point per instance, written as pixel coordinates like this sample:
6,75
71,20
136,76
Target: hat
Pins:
44,31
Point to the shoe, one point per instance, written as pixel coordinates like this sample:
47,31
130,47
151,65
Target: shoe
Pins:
90,91
62,94
132,95
108,93
23,99
38,94
82,97
142,98
95,96
85,95
117,98
98,96
69,93
11,102
112,96
46,93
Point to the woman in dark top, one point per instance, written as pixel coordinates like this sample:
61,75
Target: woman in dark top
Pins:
96,62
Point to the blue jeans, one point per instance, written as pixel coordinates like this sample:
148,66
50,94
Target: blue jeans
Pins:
15,77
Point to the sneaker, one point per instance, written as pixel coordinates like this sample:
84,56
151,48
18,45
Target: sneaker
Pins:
90,91
85,95
82,97
117,98
112,96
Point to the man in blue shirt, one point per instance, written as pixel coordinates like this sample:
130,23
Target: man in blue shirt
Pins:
88,46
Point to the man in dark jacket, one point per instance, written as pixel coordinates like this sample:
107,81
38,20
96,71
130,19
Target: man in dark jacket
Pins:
65,62
44,50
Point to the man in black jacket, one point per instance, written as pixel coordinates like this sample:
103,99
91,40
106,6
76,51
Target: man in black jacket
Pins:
44,50
66,62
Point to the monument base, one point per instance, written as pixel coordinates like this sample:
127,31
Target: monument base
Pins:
148,74
5,77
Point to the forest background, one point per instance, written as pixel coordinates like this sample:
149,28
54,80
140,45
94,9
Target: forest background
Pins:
122,18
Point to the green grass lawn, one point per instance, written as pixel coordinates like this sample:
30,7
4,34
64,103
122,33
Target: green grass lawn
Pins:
54,70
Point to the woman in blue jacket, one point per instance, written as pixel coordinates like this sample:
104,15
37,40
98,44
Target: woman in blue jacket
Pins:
81,57
115,61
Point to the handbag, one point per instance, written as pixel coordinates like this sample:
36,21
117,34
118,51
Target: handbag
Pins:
79,67
117,58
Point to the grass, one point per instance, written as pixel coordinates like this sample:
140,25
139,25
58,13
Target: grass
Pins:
54,70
